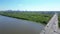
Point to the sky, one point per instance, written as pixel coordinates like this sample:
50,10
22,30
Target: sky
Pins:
30,5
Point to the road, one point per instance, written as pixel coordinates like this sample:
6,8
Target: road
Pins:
17,26
52,26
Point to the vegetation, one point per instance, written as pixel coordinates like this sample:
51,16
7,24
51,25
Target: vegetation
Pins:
39,17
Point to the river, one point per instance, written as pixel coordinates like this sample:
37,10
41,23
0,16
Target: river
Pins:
10,25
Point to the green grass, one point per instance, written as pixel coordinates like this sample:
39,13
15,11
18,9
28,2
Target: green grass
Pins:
38,17
31,16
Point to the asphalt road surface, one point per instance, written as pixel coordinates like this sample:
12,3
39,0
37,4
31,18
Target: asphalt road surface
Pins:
52,26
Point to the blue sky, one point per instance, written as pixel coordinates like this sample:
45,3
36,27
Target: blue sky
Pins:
30,5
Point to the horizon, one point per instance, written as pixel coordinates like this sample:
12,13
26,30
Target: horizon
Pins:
30,5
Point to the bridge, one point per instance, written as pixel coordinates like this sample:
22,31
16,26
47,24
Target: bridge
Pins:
52,26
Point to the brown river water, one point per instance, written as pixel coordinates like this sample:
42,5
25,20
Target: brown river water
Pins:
17,26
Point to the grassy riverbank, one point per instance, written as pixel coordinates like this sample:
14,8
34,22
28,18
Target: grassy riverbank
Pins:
31,16
38,17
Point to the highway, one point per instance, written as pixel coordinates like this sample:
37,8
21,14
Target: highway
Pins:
52,26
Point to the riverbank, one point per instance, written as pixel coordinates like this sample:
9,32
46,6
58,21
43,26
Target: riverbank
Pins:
31,16
38,17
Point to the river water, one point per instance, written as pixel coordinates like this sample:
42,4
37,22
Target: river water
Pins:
17,26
